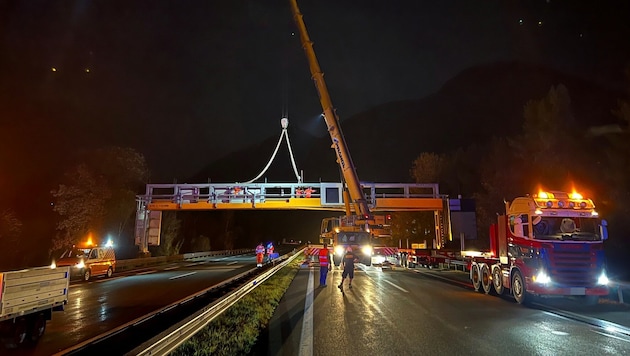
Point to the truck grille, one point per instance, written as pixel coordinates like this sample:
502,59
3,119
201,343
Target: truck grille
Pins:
572,265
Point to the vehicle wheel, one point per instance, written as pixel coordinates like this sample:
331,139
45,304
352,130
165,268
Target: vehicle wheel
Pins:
20,332
497,280
486,279
518,289
110,271
87,274
474,276
37,328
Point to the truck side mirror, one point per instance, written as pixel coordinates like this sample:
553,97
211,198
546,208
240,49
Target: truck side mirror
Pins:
603,230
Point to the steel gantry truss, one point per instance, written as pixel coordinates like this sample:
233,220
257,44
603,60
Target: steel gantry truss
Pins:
282,196
273,196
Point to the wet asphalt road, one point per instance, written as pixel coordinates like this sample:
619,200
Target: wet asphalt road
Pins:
400,312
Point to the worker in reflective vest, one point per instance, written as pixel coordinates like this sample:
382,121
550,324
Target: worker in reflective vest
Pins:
324,265
270,251
260,254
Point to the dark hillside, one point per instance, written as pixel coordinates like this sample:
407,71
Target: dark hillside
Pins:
479,103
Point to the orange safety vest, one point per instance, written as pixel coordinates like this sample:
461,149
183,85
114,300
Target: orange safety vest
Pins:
323,257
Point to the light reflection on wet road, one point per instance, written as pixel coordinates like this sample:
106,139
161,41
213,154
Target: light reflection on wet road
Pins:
403,313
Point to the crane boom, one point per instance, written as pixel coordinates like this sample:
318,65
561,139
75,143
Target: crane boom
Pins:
332,121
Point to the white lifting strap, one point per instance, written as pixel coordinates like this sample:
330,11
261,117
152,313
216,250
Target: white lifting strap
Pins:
285,133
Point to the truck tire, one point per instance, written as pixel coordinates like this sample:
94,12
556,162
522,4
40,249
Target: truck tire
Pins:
486,279
518,289
36,328
474,276
110,272
86,274
497,280
19,333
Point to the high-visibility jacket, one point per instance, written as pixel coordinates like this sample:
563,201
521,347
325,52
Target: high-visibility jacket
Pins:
260,249
323,257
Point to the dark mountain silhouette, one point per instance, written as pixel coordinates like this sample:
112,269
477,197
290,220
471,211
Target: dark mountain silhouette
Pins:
479,103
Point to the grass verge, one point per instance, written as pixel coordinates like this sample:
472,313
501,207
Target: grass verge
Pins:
236,330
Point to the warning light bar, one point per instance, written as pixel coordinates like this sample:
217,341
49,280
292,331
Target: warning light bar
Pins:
562,200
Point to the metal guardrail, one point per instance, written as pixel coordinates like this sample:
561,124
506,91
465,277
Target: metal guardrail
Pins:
217,307
173,337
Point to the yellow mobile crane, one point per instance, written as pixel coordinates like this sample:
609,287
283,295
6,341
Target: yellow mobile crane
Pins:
358,227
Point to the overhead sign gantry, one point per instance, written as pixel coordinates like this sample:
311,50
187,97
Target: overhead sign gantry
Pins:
287,196
323,196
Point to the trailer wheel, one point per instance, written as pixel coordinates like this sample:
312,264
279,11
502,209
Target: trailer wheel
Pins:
474,275
37,328
110,272
87,274
486,279
497,280
20,332
518,289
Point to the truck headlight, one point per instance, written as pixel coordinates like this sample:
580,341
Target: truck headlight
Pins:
367,250
603,279
541,278
339,250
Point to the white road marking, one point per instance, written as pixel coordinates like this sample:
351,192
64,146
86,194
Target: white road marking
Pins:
145,272
306,339
232,263
395,286
183,275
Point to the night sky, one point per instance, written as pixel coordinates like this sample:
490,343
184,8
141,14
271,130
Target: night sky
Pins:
187,82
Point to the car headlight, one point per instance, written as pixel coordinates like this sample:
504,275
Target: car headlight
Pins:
367,250
81,264
603,279
541,278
